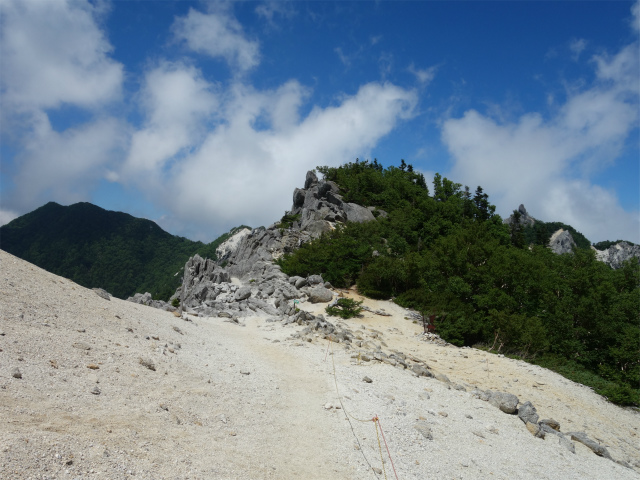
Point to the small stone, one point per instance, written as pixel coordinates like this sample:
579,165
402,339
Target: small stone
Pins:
145,362
93,366
535,430
367,379
245,372
443,414
377,470
16,373
176,329
95,391
424,429
328,406
81,346
551,423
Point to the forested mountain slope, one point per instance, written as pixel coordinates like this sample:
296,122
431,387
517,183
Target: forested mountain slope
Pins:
100,248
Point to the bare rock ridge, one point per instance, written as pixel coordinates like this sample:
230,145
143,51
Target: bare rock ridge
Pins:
562,242
260,287
616,254
524,219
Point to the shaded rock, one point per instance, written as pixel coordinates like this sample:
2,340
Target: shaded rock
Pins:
95,391
320,295
242,294
507,402
102,293
81,346
421,371
586,441
535,430
527,413
315,280
367,379
442,377
562,242
551,423
16,373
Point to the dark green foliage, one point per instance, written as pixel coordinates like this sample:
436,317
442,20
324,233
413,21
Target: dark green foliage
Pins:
99,248
540,233
608,243
450,256
345,308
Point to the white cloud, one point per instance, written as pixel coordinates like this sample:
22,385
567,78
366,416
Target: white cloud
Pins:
54,53
424,76
270,9
177,102
635,20
577,46
248,165
547,164
65,166
218,34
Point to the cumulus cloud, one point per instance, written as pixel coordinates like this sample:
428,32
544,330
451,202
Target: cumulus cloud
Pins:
177,102
65,166
247,166
53,53
547,164
218,34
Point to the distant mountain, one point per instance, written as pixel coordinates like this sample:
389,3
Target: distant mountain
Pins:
100,248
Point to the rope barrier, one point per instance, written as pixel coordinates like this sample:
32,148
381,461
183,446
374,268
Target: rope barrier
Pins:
349,416
375,422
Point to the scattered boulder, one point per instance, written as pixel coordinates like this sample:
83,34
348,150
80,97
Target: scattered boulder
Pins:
507,402
535,430
586,441
242,294
320,295
527,413
16,373
551,423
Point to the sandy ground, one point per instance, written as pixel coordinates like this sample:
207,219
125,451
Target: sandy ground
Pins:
252,401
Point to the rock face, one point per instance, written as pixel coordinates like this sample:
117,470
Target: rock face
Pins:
525,218
320,206
616,254
562,242
317,207
247,257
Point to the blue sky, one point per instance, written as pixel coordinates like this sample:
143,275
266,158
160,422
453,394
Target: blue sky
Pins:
205,115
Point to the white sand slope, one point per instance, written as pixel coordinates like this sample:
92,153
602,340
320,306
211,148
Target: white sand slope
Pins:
229,401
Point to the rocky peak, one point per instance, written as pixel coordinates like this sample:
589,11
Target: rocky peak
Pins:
562,242
316,208
525,218
616,254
